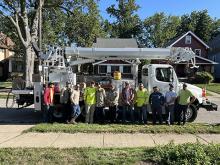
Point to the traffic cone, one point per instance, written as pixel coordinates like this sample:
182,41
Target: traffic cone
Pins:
203,92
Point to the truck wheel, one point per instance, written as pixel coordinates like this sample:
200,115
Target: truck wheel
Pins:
191,113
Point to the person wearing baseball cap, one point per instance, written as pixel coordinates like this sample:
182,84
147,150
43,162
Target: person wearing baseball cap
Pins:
141,102
156,101
48,103
185,99
170,98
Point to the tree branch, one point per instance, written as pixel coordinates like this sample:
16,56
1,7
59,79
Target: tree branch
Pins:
15,23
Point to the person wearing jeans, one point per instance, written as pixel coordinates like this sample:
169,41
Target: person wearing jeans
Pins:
75,104
156,100
184,102
141,101
127,102
170,98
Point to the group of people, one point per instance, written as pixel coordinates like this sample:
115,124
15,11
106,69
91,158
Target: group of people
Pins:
130,106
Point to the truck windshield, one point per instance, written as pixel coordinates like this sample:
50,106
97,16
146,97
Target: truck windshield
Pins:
164,74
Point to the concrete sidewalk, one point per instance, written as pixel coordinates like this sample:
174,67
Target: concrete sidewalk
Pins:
11,136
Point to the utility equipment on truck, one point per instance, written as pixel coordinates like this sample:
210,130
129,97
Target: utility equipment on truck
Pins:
57,62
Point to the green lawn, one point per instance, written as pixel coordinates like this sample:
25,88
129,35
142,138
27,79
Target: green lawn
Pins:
170,154
5,84
191,128
214,87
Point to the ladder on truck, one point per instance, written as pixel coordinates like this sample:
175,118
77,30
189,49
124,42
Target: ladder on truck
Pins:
70,75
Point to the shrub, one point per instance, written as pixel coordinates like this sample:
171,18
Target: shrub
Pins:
203,77
187,154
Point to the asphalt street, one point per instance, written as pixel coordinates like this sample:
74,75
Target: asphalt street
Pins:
30,116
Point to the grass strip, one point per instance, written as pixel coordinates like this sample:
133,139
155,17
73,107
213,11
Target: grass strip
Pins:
5,84
190,128
214,87
169,154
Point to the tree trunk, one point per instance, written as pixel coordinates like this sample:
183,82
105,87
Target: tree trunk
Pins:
28,66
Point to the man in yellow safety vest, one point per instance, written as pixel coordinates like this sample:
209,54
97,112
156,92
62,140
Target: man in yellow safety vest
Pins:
141,101
90,102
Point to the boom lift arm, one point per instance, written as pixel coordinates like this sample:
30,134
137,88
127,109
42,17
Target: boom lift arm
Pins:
175,55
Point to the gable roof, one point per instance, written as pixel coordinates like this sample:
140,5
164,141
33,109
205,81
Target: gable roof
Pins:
175,40
115,43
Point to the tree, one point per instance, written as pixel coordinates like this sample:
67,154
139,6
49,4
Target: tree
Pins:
201,23
127,23
27,29
83,26
159,29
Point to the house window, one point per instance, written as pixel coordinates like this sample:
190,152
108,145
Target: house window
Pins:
17,66
114,68
102,69
127,69
188,39
198,52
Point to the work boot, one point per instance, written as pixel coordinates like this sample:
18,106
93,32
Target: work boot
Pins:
72,121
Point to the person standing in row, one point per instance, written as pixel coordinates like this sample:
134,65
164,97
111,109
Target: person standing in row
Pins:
75,104
170,98
65,100
48,103
90,102
100,104
127,102
112,102
141,101
184,102
156,100
81,100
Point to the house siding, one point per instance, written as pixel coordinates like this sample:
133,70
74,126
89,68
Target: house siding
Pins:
195,44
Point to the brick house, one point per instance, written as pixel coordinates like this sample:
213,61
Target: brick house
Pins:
214,54
6,52
201,50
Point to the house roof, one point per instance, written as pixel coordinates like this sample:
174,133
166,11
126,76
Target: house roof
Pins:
175,40
115,43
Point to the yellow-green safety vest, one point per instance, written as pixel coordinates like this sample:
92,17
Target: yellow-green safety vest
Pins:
89,95
142,97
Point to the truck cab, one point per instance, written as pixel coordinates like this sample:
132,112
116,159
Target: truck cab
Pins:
162,75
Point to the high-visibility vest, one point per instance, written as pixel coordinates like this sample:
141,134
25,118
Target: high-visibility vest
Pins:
142,97
90,95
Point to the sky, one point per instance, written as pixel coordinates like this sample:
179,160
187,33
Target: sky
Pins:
170,7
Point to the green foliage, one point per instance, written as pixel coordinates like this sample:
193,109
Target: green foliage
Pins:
187,154
120,128
83,26
201,23
159,29
203,77
127,23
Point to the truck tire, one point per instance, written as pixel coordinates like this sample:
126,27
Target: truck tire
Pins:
191,113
